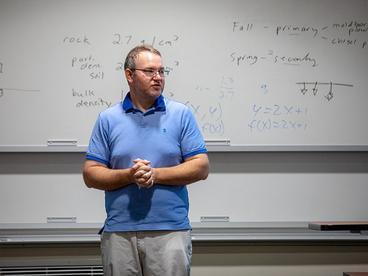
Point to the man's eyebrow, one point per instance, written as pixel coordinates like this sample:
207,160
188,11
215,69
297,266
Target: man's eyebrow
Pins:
153,68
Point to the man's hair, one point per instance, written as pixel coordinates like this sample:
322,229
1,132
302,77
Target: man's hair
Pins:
133,54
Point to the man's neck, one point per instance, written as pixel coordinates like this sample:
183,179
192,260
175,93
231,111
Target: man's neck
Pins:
142,104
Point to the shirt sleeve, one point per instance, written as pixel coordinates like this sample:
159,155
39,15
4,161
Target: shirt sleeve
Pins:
98,148
192,142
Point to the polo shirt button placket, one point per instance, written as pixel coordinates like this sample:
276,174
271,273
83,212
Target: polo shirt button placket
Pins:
143,121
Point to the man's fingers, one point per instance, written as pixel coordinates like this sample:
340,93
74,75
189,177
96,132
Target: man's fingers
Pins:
145,173
143,161
141,164
146,180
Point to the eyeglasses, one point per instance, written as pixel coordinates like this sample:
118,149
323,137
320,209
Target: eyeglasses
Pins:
152,72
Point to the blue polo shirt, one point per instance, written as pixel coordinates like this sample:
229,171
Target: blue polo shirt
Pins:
166,135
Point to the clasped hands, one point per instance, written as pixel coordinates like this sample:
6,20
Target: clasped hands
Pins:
142,173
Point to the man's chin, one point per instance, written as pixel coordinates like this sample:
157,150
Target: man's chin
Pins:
156,92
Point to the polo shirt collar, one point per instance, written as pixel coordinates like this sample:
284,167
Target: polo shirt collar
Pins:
158,105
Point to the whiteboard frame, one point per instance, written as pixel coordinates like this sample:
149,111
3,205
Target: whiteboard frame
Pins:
211,148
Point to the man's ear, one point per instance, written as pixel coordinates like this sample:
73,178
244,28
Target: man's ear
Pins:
129,75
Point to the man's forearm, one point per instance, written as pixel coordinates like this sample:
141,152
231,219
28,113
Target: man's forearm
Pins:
99,177
192,170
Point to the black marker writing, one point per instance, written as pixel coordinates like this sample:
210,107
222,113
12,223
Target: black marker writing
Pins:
76,40
314,88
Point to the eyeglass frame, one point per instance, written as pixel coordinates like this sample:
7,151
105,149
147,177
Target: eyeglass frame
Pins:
152,72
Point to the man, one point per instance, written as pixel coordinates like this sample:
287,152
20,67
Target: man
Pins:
142,153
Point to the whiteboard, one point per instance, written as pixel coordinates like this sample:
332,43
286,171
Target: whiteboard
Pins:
243,186
254,73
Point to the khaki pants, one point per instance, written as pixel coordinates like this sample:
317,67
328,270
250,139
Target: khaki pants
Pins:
147,253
